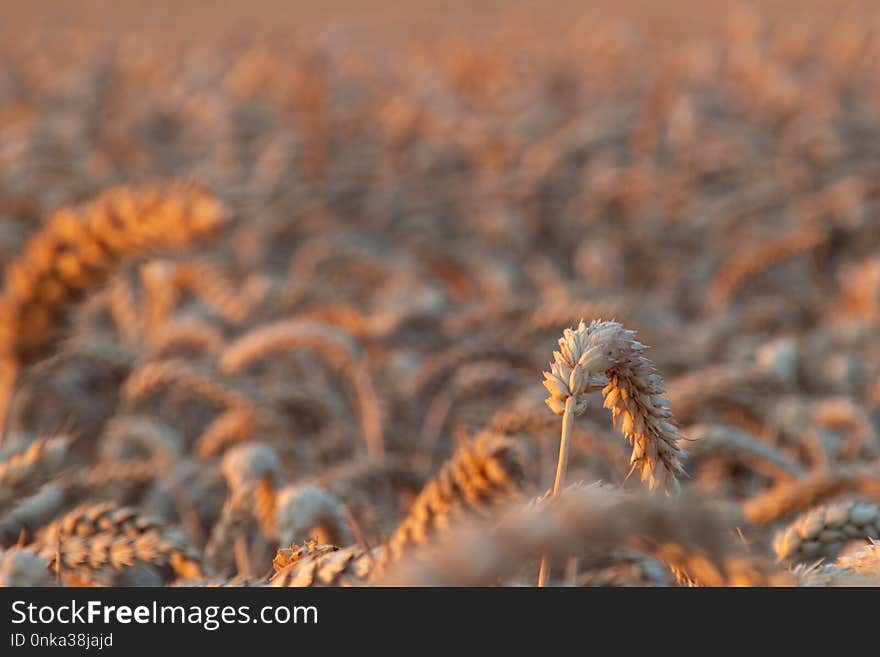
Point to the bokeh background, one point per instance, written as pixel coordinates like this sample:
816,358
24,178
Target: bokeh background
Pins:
441,188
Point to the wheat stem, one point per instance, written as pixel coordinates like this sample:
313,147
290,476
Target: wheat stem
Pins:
561,467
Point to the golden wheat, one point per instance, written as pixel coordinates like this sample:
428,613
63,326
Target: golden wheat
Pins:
824,530
91,542
330,343
478,475
413,231
791,496
606,356
686,533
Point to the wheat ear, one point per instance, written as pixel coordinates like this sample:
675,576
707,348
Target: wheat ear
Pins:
252,472
743,267
791,496
153,377
729,443
605,355
824,530
75,252
328,342
92,541
865,561
306,512
479,474
28,468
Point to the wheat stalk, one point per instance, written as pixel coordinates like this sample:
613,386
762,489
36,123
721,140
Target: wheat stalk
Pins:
161,295
123,309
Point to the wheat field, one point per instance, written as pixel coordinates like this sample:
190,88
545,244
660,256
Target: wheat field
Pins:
326,296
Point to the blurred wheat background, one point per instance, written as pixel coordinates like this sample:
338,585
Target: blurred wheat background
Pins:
281,280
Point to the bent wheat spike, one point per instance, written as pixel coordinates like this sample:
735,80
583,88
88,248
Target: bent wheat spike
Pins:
92,541
791,496
340,351
482,473
306,512
743,267
252,473
25,470
606,356
154,377
77,249
866,561
824,530
728,442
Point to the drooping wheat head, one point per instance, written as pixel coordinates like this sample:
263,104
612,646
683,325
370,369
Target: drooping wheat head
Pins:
77,249
824,530
92,543
308,513
479,475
